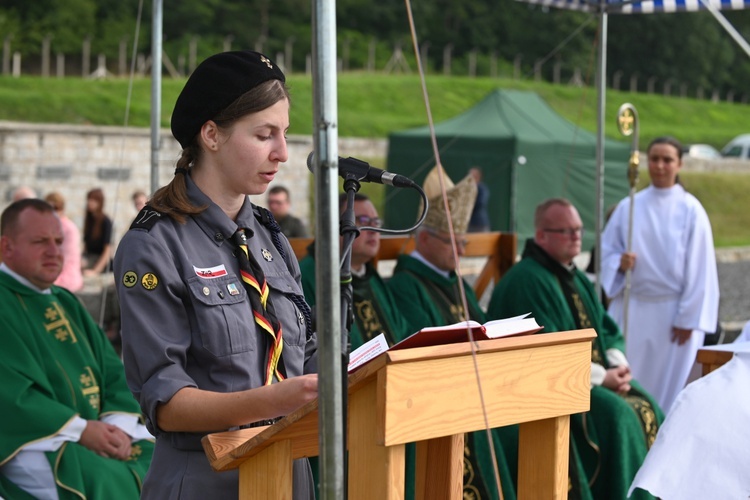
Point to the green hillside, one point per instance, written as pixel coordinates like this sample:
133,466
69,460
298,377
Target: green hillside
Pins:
372,105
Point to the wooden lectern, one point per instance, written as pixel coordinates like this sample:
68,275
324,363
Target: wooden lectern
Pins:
430,395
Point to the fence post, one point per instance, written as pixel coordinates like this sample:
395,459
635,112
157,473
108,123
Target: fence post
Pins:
60,65
45,55
288,48
6,54
16,64
86,57
517,66
616,79
371,55
122,58
634,82
447,59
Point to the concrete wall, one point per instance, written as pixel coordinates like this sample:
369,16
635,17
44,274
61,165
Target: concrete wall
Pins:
73,159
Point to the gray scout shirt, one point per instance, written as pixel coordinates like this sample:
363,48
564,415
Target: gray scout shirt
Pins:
187,322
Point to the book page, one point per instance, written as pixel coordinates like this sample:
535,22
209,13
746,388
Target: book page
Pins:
461,325
367,351
516,325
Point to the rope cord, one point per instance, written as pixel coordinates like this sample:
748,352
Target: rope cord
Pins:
454,247
115,209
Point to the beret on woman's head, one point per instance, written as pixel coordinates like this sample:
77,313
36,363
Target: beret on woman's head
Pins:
214,85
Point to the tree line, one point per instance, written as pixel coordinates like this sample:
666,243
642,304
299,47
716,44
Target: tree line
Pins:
482,37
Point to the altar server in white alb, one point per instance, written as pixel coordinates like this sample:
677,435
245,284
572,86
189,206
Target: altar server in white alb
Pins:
674,293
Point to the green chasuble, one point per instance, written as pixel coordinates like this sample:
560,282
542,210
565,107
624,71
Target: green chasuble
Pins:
428,298
57,364
373,305
612,439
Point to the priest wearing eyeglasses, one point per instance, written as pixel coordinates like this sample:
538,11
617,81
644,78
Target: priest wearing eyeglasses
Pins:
374,307
611,439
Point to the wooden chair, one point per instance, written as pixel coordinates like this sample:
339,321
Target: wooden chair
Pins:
499,248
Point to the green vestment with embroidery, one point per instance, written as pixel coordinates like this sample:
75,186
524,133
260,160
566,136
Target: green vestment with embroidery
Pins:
57,364
612,439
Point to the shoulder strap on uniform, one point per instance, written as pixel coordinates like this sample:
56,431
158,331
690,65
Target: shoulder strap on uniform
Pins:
146,219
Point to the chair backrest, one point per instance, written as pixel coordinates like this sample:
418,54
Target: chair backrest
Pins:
499,248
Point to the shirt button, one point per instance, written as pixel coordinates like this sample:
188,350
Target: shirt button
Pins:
219,237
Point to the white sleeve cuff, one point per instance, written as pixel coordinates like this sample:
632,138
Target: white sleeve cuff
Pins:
129,424
71,432
617,358
598,372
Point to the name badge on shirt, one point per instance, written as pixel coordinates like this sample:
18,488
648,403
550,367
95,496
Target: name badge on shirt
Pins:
211,272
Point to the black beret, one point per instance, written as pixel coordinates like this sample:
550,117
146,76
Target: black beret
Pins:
214,85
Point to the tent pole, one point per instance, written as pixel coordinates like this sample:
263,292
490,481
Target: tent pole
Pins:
601,92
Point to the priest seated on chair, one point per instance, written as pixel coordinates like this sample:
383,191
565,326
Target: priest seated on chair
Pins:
425,285
71,427
610,441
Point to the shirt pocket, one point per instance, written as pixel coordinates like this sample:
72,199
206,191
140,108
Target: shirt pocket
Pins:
291,318
223,315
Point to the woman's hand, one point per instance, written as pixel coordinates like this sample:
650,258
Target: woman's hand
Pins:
295,392
681,335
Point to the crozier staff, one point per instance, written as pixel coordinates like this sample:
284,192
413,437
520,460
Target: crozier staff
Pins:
216,332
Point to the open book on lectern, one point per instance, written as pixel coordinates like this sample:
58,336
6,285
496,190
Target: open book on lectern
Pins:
448,334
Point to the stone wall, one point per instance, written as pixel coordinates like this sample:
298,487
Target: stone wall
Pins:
73,159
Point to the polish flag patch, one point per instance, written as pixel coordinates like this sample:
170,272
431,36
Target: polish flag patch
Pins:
211,272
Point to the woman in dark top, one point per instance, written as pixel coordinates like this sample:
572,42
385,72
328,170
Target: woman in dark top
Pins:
97,235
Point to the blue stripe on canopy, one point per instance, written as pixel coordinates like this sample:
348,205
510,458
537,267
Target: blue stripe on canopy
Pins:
642,7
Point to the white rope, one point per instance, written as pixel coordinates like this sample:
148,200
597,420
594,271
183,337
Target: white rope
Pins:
460,279
115,208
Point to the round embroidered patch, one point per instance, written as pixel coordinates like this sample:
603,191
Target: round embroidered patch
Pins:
129,279
149,281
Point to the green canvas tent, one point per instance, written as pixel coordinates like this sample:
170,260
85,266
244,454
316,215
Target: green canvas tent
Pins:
527,153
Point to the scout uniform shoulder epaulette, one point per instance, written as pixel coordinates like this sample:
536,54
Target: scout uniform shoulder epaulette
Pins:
146,219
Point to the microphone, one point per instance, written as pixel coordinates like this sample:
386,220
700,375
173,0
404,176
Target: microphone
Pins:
364,172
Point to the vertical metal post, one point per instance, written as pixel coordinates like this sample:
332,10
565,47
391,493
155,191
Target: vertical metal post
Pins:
328,297
601,86
156,48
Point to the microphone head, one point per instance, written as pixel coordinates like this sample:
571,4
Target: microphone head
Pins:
311,162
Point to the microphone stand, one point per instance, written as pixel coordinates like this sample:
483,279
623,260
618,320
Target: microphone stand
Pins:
349,232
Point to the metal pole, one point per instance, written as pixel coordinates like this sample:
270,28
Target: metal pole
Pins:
601,80
156,48
325,143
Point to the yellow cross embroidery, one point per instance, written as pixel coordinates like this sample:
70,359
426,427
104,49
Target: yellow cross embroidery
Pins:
58,324
90,388
135,452
51,314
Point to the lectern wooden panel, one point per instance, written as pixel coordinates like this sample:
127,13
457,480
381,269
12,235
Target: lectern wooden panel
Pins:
431,395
